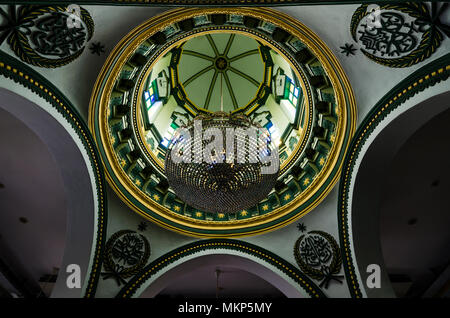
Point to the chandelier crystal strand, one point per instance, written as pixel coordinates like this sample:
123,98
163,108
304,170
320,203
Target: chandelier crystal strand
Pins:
222,184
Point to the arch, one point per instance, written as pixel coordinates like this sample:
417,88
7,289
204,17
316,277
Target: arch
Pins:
280,273
57,123
383,131
222,260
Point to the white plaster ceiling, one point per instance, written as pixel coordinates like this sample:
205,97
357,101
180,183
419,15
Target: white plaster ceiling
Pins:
33,190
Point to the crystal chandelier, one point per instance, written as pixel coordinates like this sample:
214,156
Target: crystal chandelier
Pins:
222,163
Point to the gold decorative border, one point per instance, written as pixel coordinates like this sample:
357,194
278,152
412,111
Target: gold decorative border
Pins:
127,46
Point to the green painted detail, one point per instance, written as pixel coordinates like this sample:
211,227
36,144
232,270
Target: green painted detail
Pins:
198,54
41,36
198,74
213,44
210,89
248,78
391,36
213,244
230,90
20,73
426,77
247,53
202,57
229,43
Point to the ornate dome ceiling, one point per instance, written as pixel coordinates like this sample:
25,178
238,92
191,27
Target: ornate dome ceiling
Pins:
232,65
228,69
257,62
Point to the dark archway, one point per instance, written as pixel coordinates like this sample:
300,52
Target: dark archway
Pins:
237,277
370,184
414,211
79,194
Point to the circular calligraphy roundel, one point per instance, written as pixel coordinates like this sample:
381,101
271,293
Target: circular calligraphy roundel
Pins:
47,36
398,35
318,255
127,252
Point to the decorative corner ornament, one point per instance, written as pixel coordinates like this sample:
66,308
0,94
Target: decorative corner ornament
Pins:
97,48
142,226
399,35
318,255
127,252
348,49
301,227
46,36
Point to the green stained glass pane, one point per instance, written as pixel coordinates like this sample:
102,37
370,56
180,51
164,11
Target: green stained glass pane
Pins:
268,27
236,19
286,89
200,20
169,31
297,44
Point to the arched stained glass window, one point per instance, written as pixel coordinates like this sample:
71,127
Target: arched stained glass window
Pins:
151,95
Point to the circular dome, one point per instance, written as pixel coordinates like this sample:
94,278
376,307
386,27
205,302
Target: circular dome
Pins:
232,175
258,63
227,70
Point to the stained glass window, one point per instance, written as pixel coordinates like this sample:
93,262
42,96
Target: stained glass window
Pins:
291,92
168,135
151,95
274,133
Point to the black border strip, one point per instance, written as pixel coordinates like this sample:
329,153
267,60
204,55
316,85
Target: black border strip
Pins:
206,3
